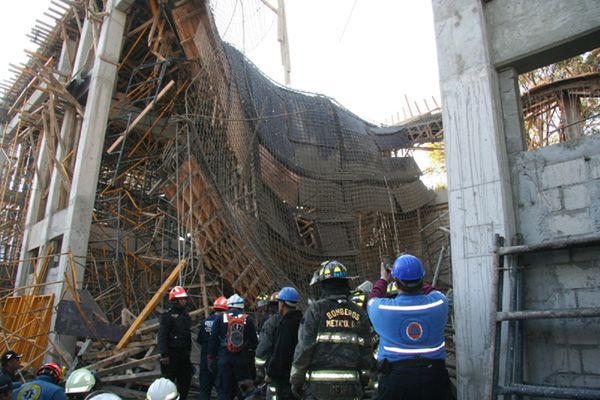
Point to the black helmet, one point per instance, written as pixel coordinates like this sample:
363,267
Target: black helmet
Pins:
329,270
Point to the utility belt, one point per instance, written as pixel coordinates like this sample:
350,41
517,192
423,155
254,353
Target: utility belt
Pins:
386,366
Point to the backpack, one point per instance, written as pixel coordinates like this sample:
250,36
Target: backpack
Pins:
235,332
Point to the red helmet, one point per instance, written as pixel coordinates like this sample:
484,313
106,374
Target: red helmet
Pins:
177,293
220,304
52,369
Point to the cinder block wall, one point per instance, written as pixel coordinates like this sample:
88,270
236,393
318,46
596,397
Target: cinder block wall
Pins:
558,196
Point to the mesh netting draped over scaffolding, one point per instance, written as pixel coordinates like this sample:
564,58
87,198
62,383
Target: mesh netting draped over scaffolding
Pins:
299,178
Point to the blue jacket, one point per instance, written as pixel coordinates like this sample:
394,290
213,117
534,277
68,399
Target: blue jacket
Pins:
410,325
204,330
41,388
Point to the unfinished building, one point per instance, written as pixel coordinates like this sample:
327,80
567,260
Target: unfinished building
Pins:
140,150
526,170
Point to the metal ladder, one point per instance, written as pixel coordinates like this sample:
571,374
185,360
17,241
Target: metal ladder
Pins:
506,258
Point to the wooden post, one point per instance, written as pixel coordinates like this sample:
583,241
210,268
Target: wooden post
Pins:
151,305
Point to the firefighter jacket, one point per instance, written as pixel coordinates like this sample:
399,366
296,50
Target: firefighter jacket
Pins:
266,340
204,329
41,388
217,344
334,342
280,362
409,325
175,331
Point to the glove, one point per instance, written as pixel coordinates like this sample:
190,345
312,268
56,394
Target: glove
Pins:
165,360
212,364
297,391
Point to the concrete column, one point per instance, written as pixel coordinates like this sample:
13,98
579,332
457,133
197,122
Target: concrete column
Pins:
82,196
572,116
479,188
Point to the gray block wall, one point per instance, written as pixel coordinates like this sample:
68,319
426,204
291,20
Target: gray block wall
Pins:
557,189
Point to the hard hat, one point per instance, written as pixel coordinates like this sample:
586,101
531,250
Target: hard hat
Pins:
289,295
262,300
408,268
51,369
81,380
235,301
102,395
220,303
177,293
274,296
330,270
365,287
392,289
162,389
359,298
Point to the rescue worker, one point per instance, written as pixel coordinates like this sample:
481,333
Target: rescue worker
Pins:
267,337
11,363
333,354
360,294
5,387
232,343
262,301
207,378
280,363
175,341
81,383
44,386
412,350
162,389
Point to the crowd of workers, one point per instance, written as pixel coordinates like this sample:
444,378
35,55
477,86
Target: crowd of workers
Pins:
326,352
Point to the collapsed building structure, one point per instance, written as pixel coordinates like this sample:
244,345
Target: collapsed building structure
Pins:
140,150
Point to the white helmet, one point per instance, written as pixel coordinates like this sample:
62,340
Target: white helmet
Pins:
102,396
235,301
162,389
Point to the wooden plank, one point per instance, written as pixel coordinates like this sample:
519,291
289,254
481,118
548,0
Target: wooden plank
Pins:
134,363
151,304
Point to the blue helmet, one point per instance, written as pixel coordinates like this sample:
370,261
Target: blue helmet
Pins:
289,295
408,268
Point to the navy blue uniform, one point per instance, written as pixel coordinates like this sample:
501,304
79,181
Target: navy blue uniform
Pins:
41,388
233,369
207,378
412,349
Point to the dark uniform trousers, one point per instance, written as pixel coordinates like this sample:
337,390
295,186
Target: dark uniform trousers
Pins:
415,382
333,391
179,371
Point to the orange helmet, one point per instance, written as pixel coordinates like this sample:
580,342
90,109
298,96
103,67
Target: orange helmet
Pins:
177,293
51,369
220,303
274,296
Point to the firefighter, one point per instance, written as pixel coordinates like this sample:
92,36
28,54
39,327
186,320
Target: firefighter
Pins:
286,338
267,337
411,331
207,378
44,386
175,341
231,346
333,356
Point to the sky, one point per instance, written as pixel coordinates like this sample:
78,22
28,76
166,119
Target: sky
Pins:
369,55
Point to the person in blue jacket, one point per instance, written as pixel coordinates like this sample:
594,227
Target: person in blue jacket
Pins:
410,326
44,386
207,378
231,346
